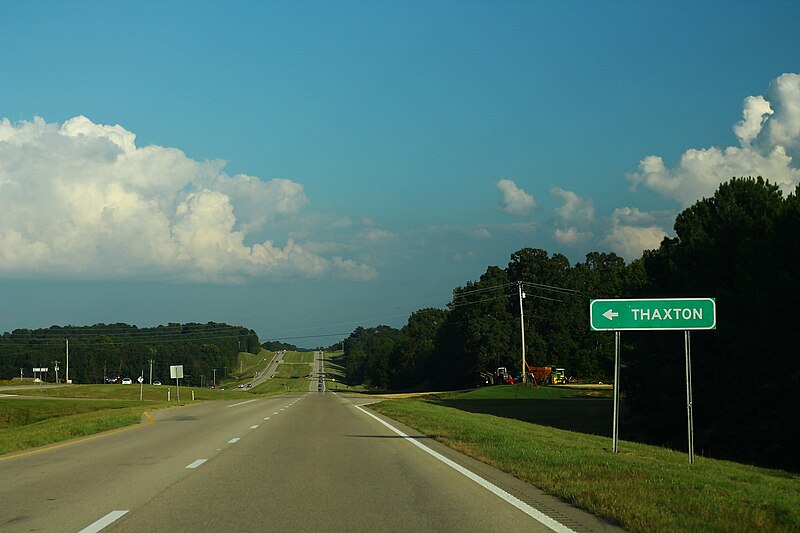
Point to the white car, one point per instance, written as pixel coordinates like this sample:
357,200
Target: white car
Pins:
127,381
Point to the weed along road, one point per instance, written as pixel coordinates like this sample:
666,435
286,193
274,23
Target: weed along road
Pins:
314,461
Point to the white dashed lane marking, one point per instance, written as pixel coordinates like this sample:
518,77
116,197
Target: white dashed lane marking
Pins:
107,520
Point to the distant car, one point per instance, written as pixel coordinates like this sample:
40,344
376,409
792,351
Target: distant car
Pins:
156,383
239,386
249,385
127,381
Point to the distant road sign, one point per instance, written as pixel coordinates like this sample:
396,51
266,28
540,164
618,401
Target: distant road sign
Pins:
176,371
649,314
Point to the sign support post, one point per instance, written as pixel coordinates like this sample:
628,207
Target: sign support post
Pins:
689,419
615,428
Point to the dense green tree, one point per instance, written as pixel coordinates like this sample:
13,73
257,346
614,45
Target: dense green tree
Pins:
120,350
367,355
412,358
477,334
739,246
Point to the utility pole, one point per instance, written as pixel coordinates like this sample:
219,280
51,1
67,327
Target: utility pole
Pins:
151,371
215,378
522,332
55,363
67,360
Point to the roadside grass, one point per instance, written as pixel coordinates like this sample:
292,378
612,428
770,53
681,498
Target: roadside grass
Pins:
31,423
7,382
335,374
519,391
129,392
643,488
247,365
583,410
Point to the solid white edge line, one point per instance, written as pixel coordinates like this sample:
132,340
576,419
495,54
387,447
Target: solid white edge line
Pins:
513,500
197,463
107,520
254,427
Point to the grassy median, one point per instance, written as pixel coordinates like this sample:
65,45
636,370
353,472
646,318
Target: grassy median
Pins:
642,488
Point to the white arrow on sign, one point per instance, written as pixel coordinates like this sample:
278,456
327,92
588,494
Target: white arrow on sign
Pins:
610,314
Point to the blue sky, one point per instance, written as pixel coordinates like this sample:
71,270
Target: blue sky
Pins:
302,168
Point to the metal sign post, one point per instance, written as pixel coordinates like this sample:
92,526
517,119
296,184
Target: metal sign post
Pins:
689,419
615,428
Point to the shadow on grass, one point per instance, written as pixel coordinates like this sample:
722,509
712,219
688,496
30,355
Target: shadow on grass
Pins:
583,416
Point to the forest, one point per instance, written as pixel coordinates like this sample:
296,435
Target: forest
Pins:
741,246
106,352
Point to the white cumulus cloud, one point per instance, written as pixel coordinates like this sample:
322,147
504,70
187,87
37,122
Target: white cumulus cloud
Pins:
769,145
573,219
633,231
515,200
81,200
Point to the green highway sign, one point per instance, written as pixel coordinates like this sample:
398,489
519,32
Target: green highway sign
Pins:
649,314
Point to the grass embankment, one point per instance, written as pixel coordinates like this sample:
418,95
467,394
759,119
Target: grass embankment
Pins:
28,423
290,376
130,392
643,488
335,374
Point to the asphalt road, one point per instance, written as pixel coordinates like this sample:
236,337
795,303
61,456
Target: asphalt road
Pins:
307,462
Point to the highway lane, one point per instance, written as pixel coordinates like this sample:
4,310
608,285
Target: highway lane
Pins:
316,380
305,462
65,485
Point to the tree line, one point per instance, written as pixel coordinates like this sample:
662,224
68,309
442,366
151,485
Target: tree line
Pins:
105,352
739,246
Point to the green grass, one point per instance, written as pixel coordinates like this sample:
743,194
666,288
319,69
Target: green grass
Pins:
247,365
277,385
28,423
514,392
335,374
293,370
6,382
129,392
643,488
582,410
299,357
